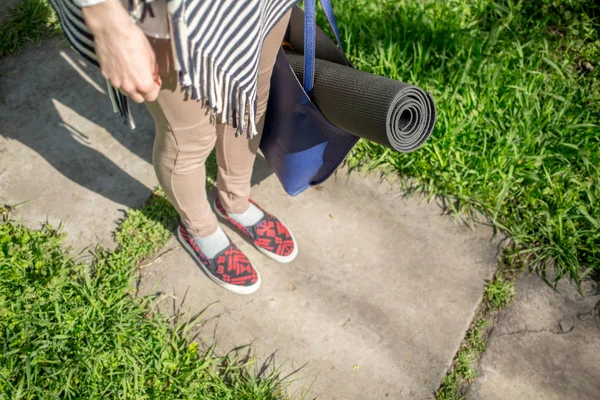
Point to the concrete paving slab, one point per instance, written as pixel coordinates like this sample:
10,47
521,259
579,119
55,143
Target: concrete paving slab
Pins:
376,304
546,345
61,144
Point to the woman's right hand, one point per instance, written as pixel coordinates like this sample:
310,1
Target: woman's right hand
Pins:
125,55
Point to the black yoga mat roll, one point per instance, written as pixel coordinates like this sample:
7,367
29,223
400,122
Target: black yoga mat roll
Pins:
392,113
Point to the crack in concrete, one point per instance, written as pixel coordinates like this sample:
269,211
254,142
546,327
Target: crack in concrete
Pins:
532,331
563,326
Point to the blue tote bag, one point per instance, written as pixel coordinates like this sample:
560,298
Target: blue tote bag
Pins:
302,147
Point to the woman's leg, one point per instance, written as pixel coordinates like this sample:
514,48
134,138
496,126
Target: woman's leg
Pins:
185,136
236,155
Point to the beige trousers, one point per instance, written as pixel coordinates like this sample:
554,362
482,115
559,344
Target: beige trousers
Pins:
186,134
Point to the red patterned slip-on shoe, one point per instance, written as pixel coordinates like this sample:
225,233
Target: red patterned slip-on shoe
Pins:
230,268
270,236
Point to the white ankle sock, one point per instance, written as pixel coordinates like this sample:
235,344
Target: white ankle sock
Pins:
250,217
213,244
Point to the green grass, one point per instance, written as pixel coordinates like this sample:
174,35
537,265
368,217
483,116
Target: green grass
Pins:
27,21
69,330
517,138
499,293
463,368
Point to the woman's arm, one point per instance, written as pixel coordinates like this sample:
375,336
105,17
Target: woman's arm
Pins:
125,55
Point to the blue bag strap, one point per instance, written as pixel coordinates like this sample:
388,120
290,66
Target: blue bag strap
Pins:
310,23
328,9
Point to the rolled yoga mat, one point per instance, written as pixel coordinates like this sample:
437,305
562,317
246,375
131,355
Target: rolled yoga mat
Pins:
392,113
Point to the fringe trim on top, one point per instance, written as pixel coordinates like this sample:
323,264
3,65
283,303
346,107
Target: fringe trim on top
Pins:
205,81
229,95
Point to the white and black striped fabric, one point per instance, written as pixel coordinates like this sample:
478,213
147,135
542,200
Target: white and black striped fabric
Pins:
218,45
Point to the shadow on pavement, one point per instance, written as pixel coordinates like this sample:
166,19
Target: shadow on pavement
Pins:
56,104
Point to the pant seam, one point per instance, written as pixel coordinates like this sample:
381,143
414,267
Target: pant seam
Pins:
170,132
173,172
226,163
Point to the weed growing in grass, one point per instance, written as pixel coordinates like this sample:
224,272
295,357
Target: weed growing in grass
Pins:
450,388
70,333
499,293
475,336
463,368
464,365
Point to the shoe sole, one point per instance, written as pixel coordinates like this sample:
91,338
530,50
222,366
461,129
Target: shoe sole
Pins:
225,285
278,258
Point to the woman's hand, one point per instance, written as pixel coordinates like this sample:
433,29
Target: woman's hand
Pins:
125,55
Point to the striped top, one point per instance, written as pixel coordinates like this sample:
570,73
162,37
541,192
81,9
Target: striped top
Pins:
217,45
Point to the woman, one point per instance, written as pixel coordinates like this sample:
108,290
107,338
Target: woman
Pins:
203,69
